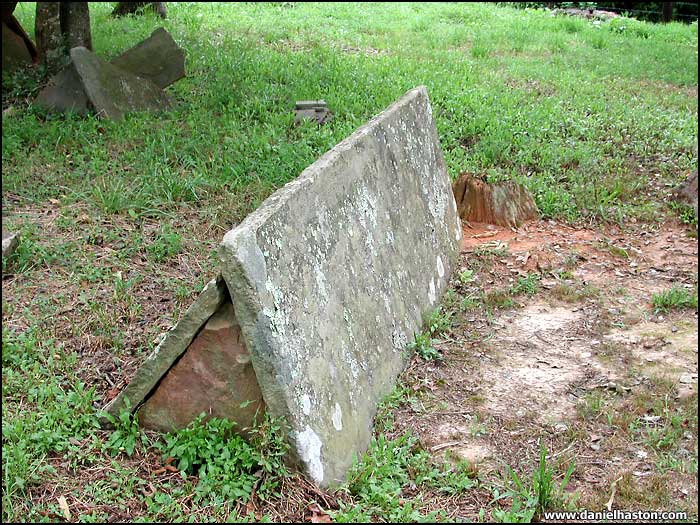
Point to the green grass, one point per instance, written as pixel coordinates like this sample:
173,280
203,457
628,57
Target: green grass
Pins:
529,498
528,285
119,221
228,467
390,466
583,149
676,298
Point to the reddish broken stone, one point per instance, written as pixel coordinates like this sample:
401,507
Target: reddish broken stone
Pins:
214,376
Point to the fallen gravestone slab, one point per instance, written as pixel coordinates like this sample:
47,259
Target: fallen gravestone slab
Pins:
506,204
112,91
157,59
330,279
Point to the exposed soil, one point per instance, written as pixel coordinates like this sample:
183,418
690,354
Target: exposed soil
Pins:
531,371
574,365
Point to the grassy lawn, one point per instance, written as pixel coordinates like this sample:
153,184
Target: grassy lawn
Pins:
120,221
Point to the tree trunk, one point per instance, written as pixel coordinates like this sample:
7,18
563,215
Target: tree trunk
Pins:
60,26
132,8
75,24
49,40
667,11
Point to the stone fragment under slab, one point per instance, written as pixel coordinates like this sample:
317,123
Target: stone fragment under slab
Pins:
330,279
201,366
213,377
173,344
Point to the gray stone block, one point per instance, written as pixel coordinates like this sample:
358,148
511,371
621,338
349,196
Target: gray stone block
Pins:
316,110
310,104
158,59
333,275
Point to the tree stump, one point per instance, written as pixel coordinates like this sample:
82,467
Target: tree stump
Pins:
505,204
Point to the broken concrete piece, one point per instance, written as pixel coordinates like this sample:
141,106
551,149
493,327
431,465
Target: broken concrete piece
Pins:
112,91
172,346
330,280
316,110
9,243
157,59
214,376
506,204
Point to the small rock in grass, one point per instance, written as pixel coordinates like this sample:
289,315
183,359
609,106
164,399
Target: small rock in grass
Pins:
9,243
316,110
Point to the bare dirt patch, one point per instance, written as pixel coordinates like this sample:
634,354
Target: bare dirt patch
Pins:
584,365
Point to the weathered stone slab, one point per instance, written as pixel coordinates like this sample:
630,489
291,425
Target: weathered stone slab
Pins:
64,93
172,346
158,59
332,276
114,92
214,376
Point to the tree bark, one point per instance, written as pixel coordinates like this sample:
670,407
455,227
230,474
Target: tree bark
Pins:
49,40
131,8
506,204
667,11
75,24
60,26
